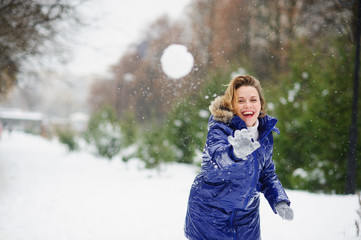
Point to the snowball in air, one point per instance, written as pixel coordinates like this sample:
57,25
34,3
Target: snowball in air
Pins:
176,61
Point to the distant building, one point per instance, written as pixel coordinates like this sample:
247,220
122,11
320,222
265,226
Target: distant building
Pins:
38,123
18,119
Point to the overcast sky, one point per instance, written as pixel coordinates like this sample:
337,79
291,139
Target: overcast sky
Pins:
114,24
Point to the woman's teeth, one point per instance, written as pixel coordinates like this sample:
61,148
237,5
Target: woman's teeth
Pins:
248,113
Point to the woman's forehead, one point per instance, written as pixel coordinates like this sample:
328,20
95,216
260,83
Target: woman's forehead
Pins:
246,91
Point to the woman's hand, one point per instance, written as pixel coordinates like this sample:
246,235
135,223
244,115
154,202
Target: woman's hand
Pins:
284,211
243,144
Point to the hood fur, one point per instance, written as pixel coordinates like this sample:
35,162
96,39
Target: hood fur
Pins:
219,111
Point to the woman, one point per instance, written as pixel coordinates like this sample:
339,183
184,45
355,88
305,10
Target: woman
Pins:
237,165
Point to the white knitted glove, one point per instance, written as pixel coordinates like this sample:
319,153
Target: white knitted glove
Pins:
284,211
243,144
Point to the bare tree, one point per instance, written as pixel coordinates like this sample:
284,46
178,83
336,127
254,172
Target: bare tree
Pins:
24,27
102,93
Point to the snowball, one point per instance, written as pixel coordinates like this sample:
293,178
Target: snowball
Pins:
176,61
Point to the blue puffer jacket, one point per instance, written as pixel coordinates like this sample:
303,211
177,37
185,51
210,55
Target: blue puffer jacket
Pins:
224,198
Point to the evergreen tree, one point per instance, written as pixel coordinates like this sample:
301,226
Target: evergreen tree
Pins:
155,148
314,116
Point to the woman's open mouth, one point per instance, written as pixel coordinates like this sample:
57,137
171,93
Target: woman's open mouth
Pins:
248,114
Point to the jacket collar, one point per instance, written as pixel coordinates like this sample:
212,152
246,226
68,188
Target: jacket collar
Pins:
266,125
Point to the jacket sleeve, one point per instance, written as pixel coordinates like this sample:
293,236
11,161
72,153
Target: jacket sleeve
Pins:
222,164
271,187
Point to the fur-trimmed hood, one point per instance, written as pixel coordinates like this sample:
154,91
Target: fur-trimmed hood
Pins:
219,110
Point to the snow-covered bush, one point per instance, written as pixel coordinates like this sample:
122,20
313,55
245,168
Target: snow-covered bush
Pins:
67,136
105,133
154,148
108,139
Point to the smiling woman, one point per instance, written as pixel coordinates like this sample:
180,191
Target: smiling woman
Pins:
237,166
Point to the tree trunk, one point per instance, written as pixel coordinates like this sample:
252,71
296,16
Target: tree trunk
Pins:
352,156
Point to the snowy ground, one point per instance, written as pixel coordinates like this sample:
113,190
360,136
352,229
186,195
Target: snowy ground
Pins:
48,193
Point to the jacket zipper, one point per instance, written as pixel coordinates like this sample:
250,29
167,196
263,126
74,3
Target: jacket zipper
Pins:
233,215
256,166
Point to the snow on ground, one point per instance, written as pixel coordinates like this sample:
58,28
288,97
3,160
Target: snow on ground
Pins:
48,193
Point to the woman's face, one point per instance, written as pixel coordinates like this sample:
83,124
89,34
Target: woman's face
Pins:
247,104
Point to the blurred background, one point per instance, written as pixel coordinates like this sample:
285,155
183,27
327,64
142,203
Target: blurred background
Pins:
89,73
98,139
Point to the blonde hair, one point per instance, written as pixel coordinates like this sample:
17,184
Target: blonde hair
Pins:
239,81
